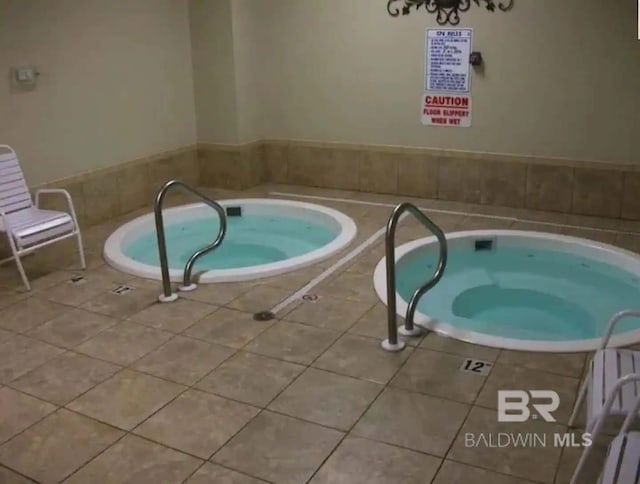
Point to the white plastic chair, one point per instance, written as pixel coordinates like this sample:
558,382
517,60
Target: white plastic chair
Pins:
622,463
606,368
28,227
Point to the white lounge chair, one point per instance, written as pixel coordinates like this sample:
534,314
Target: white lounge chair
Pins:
622,463
606,369
28,227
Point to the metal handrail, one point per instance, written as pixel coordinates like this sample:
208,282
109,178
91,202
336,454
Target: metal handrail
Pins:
392,343
162,243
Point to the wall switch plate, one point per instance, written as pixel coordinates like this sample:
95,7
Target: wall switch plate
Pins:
26,75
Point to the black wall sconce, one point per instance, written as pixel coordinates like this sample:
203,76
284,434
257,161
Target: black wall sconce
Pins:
447,11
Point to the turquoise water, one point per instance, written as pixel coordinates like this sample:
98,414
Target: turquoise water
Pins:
523,294
251,240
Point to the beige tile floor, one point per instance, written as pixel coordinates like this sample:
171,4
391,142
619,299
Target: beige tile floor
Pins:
102,388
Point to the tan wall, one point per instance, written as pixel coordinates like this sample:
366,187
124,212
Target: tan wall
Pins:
250,57
560,80
116,82
227,58
214,70
119,78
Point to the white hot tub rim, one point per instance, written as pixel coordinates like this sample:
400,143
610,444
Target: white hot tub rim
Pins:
608,253
114,246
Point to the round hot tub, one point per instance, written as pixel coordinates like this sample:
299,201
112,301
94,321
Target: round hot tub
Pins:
520,290
265,237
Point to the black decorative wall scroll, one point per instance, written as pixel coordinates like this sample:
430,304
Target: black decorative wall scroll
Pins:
447,11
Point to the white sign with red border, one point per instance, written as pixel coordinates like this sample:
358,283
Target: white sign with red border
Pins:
448,110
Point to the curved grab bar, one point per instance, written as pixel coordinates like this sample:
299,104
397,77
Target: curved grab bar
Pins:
162,243
392,343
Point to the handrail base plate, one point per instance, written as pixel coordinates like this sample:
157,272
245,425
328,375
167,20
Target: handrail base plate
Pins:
191,287
399,346
409,332
167,299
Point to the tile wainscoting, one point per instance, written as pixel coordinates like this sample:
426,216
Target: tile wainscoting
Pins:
107,193
582,188
575,187
233,167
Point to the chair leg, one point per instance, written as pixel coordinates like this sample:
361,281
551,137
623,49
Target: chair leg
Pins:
16,256
83,262
584,457
23,275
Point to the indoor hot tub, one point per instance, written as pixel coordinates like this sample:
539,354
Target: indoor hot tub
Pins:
520,290
265,237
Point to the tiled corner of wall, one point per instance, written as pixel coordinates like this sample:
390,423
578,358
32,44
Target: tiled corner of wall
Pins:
276,160
323,165
234,167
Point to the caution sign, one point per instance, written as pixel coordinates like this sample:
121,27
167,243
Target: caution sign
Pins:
450,110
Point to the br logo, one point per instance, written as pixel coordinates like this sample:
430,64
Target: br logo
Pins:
516,405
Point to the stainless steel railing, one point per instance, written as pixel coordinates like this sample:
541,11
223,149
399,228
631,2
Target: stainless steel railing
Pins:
392,343
168,295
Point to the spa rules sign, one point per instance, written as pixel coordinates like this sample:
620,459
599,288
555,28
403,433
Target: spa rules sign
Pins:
446,110
447,98
447,60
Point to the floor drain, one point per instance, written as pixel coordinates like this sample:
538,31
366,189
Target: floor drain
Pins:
264,316
121,290
310,297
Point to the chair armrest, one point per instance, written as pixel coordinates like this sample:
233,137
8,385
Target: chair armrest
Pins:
57,191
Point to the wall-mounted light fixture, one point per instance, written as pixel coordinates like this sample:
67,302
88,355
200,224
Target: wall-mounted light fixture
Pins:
447,11
25,77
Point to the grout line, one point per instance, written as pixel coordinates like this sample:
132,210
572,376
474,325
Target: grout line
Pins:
384,387
33,424
130,367
349,433
455,212
525,480
15,471
265,408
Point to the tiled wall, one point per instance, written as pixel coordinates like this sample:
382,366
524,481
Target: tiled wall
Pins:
585,188
233,167
561,186
105,194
